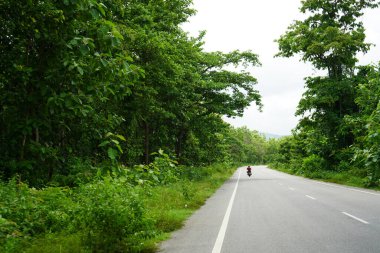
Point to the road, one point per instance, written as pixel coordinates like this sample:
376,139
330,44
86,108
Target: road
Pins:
274,212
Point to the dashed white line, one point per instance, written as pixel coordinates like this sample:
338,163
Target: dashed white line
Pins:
292,189
347,188
356,218
310,197
222,232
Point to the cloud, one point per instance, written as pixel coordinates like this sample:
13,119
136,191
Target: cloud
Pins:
254,25
277,116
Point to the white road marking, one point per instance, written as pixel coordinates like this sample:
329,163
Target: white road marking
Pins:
310,197
292,189
356,218
351,189
222,231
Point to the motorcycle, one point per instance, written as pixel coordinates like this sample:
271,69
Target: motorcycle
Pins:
249,171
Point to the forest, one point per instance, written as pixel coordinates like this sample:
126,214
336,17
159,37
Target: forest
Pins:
111,118
338,136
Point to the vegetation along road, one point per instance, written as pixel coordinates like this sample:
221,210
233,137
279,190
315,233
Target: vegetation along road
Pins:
112,132
277,212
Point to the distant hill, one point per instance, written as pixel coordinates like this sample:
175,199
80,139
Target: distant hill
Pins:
272,136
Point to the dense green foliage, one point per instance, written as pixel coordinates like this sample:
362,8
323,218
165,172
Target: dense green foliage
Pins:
339,128
84,81
117,208
104,106
248,146
111,129
108,214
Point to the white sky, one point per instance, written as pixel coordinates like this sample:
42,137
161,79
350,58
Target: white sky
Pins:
254,25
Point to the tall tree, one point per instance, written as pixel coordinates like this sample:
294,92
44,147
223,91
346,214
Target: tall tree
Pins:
366,123
60,64
329,38
331,35
74,72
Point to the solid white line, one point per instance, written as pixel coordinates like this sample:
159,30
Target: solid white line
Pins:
347,188
222,231
310,197
356,218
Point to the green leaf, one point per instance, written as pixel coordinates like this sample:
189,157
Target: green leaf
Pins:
112,153
104,143
95,13
101,8
80,70
116,142
84,49
119,148
120,137
104,62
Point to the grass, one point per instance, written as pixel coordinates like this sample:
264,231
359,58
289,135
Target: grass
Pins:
57,243
166,208
170,206
349,178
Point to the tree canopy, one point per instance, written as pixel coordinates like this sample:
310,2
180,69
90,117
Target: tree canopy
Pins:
76,74
333,131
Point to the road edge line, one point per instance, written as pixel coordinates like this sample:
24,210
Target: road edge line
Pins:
223,228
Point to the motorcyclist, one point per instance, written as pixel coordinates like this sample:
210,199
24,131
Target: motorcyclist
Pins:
249,170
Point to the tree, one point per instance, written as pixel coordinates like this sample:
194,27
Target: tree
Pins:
75,72
366,123
62,63
329,38
183,87
247,146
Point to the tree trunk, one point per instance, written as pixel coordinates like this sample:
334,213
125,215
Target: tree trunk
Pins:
22,151
37,135
180,139
50,172
146,142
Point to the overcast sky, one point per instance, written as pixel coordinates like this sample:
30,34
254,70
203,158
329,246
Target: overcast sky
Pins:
254,25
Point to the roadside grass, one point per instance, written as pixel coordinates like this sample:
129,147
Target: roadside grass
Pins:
103,216
349,178
171,205
60,243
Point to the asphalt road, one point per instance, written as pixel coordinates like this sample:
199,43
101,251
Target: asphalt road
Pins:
273,212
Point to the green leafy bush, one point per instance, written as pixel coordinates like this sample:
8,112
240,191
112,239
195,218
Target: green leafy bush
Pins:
112,216
26,212
163,170
194,173
35,211
313,164
78,171
108,214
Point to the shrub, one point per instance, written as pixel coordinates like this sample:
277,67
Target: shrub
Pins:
194,173
312,164
26,212
163,170
78,171
35,211
112,217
